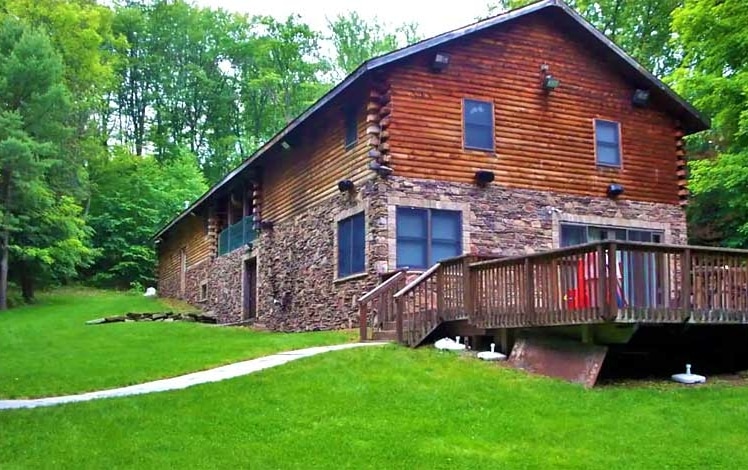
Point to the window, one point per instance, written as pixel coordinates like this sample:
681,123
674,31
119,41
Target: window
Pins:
477,124
608,143
579,234
351,241
351,128
426,236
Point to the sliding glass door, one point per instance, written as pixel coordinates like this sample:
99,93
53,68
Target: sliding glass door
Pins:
637,271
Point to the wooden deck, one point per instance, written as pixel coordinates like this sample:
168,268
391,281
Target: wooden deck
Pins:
597,283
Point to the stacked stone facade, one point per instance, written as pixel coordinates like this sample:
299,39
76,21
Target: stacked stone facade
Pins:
298,287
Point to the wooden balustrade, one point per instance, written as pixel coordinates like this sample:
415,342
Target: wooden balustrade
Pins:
377,307
611,281
442,293
608,281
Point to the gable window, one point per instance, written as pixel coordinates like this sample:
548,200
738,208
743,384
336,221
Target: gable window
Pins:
426,236
477,121
608,143
351,242
351,128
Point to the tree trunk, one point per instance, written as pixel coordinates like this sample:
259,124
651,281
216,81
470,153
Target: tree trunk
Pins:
4,270
27,286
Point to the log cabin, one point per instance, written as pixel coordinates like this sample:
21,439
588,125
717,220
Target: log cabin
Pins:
506,164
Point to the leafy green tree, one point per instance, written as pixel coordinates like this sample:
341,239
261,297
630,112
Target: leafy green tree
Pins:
132,197
357,40
714,76
37,241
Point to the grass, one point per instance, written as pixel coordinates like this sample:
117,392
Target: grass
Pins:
388,407
46,349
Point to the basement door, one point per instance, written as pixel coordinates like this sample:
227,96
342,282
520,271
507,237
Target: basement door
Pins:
249,287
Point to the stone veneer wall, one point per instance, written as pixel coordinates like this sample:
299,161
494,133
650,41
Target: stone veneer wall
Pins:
509,221
298,286
297,260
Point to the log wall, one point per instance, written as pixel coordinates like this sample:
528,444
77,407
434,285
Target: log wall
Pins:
543,140
190,233
307,173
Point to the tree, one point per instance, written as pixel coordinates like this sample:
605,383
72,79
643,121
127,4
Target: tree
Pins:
36,237
714,76
132,197
357,40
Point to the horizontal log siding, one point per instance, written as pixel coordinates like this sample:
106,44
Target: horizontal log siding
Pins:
543,141
189,233
308,173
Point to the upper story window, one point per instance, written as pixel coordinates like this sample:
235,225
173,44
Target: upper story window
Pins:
608,143
477,121
426,236
351,243
351,128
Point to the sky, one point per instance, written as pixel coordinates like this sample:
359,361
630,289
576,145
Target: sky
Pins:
433,17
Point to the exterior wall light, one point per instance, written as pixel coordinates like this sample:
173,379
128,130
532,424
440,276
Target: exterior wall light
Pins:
345,186
483,177
285,145
440,62
550,82
614,190
640,98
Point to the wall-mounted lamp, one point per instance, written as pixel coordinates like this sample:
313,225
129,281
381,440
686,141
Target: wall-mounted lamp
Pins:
483,177
614,190
267,225
440,62
550,82
345,186
285,145
640,98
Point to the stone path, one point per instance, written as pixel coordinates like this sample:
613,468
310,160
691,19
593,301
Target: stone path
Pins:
183,381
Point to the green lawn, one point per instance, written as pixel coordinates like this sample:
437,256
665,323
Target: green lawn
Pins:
46,349
388,407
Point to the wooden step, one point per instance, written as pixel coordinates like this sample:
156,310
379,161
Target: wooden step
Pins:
384,335
390,325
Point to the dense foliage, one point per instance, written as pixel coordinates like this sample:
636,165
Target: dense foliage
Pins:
112,115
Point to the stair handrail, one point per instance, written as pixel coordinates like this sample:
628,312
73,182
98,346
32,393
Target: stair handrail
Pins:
379,290
414,283
391,280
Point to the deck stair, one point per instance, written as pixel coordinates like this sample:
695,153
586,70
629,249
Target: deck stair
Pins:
600,283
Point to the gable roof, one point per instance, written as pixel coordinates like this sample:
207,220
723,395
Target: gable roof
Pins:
692,121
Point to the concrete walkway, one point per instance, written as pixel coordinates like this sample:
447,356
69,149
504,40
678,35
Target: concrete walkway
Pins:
183,381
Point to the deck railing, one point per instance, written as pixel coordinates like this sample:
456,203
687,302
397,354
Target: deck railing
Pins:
441,293
611,281
377,307
236,235
607,281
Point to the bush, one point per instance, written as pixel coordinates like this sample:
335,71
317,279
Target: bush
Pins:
15,299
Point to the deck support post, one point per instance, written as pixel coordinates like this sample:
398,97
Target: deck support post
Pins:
612,282
588,334
686,282
529,291
400,307
362,321
601,301
440,292
467,289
